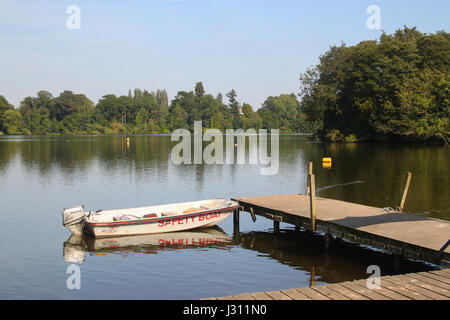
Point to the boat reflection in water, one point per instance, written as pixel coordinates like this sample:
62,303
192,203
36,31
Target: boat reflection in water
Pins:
76,246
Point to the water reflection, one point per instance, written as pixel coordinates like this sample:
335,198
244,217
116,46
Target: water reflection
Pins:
79,152
300,250
340,262
75,247
382,168
370,174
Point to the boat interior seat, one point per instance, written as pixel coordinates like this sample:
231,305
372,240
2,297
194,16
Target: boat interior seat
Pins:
192,210
209,206
169,213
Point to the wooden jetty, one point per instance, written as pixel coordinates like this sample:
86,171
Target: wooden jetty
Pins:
390,230
401,234
433,285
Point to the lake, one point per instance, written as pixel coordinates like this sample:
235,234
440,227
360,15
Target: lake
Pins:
41,175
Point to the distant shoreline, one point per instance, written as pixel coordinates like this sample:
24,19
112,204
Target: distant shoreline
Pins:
312,138
129,134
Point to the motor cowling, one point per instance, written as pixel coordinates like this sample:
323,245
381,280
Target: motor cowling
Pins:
73,218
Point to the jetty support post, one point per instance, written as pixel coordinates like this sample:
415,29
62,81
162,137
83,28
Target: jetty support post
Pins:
312,277
312,201
405,190
397,262
308,186
328,239
236,222
252,213
276,226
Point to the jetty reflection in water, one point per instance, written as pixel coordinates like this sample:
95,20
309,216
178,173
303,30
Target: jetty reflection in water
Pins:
75,247
340,261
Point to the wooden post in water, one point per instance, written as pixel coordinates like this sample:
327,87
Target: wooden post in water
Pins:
308,186
328,239
252,213
397,262
276,226
236,222
405,190
312,201
312,277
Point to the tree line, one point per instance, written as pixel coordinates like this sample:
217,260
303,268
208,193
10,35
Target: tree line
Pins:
142,111
396,87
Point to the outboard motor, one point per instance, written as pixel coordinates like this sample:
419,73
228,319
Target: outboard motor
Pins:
73,218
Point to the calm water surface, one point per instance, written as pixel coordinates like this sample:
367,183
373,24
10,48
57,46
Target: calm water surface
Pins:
41,175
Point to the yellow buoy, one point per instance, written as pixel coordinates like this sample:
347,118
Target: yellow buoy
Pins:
326,162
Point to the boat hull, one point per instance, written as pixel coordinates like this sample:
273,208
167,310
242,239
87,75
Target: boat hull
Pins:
157,225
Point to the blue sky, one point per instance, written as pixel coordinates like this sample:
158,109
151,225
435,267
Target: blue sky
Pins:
259,48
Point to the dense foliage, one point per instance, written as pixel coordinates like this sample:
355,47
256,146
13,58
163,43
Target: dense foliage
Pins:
145,112
394,88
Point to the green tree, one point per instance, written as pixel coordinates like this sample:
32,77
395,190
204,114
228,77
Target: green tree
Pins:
4,106
199,90
233,105
219,98
250,119
281,112
393,88
12,121
142,118
178,117
109,107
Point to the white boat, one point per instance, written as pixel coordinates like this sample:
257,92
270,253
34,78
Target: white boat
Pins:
148,220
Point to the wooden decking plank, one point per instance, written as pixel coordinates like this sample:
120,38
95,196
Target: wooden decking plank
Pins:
411,286
226,298
434,282
383,291
439,273
295,294
370,293
447,271
278,295
402,290
425,285
330,293
441,279
417,286
347,292
313,294
243,296
260,296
